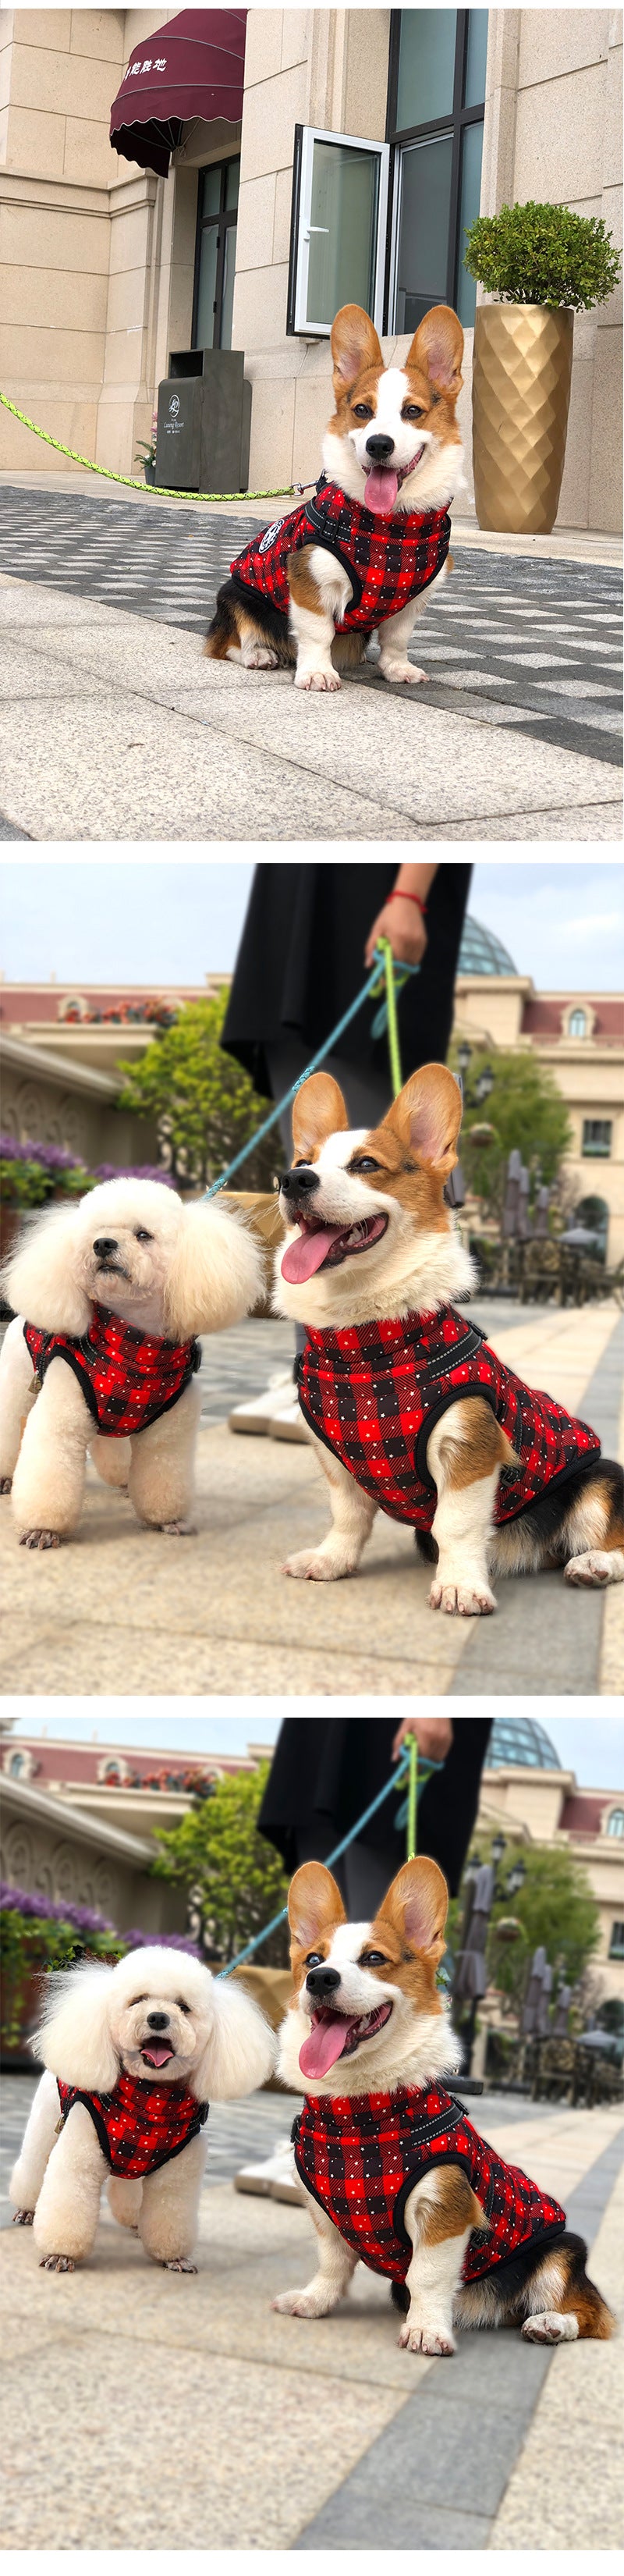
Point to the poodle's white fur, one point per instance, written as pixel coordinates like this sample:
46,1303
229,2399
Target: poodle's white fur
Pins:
95,2025
198,1270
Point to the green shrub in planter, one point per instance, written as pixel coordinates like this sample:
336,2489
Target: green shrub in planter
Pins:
543,255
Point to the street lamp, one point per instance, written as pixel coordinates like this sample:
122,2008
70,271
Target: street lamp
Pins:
485,1079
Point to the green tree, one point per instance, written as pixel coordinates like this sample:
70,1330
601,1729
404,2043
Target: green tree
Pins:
204,1104
555,1908
239,1878
542,254
525,1109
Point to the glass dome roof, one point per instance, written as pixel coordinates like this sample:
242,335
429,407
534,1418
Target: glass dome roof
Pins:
481,953
519,1740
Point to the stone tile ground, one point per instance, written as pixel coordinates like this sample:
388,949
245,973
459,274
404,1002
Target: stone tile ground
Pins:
123,2371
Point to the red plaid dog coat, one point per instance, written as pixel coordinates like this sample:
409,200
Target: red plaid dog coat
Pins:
139,2126
127,1380
361,2159
389,557
373,1395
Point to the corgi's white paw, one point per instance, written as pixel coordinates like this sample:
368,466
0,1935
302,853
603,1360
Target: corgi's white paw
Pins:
396,670
303,2303
599,1566
258,657
551,2328
311,1564
462,1600
429,2338
317,680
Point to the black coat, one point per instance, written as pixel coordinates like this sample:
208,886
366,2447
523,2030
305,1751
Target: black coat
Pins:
333,1767
301,962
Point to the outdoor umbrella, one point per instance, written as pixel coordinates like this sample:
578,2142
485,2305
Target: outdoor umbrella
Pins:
194,67
560,2022
532,2025
470,1979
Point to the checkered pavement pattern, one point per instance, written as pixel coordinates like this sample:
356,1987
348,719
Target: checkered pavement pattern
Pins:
510,641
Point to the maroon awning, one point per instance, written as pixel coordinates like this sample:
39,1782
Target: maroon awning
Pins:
194,67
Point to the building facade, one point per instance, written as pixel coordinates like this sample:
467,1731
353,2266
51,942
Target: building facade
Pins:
63,1045
123,1795
369,139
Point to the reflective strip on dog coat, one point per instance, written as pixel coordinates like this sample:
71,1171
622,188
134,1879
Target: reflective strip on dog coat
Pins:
139,2126
389,557
127,1379
361,2159
374,1393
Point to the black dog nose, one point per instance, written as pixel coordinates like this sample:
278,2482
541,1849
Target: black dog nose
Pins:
300,1183
380,448
323,1982
105,1243
158,2021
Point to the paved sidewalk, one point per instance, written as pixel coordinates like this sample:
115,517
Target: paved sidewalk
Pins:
103,608
120,1609
305,2436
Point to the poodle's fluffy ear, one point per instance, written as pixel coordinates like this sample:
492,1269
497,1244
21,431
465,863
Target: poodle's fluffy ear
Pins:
216,1274
38,1281
74,2038
240,2051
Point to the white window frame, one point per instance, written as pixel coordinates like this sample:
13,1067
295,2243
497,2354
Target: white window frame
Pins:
302,326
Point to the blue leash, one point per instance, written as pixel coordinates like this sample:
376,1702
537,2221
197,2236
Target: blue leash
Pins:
396,1776
371,985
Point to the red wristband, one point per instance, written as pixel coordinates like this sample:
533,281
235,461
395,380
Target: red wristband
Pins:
400,894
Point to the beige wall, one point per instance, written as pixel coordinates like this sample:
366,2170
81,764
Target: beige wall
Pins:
533,1801
56,1107
53,1849
589,1074
553,130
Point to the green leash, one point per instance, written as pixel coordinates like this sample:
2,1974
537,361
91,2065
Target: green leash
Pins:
412,1799
154,492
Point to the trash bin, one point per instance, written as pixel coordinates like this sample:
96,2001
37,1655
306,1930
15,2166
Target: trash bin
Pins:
204,422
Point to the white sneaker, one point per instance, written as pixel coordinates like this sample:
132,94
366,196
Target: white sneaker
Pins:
290,1423
276,2179
259,1411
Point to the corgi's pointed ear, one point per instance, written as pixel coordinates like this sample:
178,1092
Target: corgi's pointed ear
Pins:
354,345
438,348
318,1111
314,1905
428,1116
417,1906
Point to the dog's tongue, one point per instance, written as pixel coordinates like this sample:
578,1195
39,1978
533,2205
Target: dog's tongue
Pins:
308,1251
325,2044
381,488
157,2056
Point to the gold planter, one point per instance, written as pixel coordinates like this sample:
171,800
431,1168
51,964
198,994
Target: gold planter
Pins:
522,368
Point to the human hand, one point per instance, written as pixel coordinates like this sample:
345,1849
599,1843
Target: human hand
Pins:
434,1737
401,923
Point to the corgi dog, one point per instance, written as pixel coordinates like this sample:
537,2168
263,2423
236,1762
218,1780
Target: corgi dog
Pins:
366,550
410,1408
396,2176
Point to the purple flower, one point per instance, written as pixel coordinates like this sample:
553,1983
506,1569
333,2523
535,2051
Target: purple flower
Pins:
135,1940
51,1157
21,1900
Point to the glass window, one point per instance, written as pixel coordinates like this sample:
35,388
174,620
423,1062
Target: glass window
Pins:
423,230
596,1136
435,121
469,197
616,1944
426,71
338,228
577,1024
343,229
476,52
215,255
615,1822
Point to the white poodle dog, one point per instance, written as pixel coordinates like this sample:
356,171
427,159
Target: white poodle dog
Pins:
108,1296
133,2056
